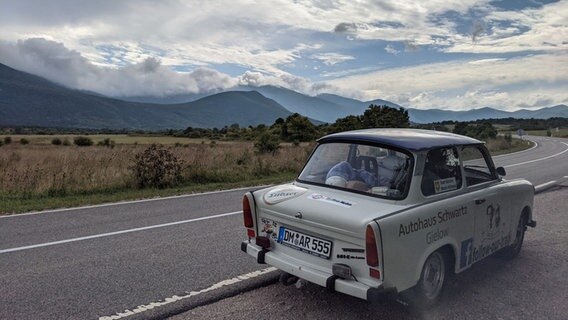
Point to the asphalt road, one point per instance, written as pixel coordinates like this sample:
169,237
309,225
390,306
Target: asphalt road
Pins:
532,286
158,257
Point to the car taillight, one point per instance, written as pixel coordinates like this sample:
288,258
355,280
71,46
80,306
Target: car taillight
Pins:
371,247
247,213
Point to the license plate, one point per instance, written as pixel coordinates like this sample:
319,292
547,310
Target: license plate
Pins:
304,242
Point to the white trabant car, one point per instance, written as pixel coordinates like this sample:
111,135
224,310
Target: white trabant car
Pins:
382,211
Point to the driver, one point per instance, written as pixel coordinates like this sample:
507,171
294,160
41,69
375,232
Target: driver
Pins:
436,168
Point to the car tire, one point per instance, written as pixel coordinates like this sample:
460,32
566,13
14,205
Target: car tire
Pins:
431,284
513,250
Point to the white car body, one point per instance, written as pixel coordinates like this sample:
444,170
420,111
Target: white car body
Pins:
467,223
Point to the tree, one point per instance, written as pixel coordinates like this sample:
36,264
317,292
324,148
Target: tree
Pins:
348,123
481,131
385,117
299,128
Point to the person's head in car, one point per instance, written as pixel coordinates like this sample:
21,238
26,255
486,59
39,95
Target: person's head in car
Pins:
437,164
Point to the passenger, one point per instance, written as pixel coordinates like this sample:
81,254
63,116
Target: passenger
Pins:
343,175
389,168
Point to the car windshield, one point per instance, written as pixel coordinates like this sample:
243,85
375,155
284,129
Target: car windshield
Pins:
374,170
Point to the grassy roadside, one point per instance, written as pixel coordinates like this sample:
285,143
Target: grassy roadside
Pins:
561,133
19,205
516,146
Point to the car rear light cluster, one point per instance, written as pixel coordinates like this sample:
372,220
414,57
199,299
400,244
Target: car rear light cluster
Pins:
372,253
247,217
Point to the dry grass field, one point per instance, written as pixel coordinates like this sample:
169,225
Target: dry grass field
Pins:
40,171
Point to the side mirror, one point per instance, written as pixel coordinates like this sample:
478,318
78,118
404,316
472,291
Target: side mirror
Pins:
501,171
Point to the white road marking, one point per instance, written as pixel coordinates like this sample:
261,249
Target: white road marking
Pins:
108,234
539,159
132,201
218,285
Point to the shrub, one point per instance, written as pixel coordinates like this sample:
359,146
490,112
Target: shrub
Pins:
56,141
267,143
83,141
107,142
1,143
66,142
24,141
7,140
156,167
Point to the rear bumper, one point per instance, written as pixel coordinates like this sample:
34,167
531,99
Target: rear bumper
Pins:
331,282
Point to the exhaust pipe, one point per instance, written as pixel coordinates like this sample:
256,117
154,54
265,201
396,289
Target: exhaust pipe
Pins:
288,279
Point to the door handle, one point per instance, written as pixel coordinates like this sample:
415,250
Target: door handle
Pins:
479,201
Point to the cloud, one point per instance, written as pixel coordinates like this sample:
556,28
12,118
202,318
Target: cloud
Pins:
444,84
149,77
477,29
390,49
332,58
410,47
345,27
532,29
133,46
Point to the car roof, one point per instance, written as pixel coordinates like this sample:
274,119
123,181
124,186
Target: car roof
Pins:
409,139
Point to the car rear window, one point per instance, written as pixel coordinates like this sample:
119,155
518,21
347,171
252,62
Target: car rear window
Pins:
362,168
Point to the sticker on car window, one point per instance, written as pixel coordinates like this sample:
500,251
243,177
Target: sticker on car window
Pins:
443,185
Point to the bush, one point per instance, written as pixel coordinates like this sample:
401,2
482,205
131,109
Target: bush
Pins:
7,140
107,142
156,167
83,141
267,143
24,141
66,142
1,143
56,141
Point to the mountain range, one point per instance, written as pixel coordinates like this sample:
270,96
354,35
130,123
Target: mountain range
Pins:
28,100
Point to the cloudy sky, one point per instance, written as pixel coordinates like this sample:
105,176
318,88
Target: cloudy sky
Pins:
449,54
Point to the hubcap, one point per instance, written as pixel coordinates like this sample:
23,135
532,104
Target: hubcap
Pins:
434,274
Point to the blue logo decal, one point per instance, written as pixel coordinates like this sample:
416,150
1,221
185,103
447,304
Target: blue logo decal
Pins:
466,253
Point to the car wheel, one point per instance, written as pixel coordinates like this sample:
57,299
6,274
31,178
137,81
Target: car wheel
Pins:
513,250
432,281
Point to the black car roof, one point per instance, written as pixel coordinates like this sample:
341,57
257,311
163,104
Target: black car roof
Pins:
410,139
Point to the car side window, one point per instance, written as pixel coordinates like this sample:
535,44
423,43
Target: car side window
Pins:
442,171
477,166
